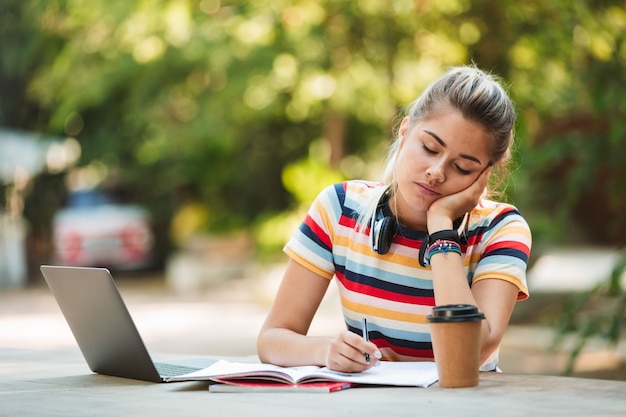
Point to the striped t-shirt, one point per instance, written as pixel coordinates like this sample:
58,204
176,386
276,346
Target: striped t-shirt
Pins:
393,291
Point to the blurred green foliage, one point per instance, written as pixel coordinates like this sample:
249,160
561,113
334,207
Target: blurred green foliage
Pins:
223,97
599,312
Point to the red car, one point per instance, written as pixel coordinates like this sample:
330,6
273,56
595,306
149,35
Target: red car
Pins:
95,231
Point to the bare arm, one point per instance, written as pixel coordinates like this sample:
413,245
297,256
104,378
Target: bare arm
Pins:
283,340
494,297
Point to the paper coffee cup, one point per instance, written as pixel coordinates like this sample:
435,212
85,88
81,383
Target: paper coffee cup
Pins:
455,334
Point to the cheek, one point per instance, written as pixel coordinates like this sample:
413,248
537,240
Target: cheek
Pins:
411,160
458,183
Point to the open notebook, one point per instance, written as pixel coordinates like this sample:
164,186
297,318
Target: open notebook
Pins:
408,374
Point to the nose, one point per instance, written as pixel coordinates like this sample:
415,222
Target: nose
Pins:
435,172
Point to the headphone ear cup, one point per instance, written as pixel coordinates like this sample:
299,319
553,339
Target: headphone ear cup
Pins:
422,253
387,229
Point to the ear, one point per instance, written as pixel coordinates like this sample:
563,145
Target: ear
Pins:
404,127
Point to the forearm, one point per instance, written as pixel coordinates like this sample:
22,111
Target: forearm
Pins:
449,279
285,347
494,297
283,337
450,286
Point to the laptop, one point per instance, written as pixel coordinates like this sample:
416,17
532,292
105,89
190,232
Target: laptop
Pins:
103,328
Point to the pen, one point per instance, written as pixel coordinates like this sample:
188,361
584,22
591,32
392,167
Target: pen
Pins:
366,336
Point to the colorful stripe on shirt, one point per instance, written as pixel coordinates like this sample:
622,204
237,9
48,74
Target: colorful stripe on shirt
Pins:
393,291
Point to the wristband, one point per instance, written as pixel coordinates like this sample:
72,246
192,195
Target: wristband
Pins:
452,235
448,235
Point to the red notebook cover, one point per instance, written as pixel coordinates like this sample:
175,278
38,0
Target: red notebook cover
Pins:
269,386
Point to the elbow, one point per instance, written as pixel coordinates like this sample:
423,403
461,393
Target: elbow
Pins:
266,343
488,347
261,347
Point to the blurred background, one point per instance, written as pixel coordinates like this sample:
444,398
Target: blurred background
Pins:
162,136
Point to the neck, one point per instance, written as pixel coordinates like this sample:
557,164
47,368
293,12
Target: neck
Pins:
415,220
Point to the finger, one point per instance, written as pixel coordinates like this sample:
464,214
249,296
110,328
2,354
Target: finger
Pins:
366,349
484,176
348,353
371,352
482,180
340,352
347,364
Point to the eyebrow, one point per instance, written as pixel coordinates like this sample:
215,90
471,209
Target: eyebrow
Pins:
442,143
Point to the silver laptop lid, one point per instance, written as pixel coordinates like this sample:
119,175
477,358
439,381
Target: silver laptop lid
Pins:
100,322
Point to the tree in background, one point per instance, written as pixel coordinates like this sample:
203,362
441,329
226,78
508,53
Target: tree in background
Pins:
225,95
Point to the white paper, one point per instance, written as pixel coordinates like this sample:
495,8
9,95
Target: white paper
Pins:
418,374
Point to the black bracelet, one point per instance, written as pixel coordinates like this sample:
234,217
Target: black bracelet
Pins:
452,235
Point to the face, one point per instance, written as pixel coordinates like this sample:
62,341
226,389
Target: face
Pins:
437,157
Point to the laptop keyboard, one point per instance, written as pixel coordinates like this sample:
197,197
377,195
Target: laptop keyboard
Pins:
166,369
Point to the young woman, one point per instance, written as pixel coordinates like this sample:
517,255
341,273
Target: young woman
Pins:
426,235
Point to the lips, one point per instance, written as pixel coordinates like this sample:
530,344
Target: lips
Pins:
426,189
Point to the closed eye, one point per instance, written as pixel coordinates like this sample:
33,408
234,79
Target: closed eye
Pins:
428,150
462,171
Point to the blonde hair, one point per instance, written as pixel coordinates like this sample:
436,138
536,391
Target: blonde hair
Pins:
479,97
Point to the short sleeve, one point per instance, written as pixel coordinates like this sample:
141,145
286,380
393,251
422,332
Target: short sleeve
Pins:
505,250
311,245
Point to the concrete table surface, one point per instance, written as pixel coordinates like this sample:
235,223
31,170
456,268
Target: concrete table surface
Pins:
58,383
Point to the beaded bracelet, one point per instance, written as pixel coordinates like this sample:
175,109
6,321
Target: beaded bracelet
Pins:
442,246
448,235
